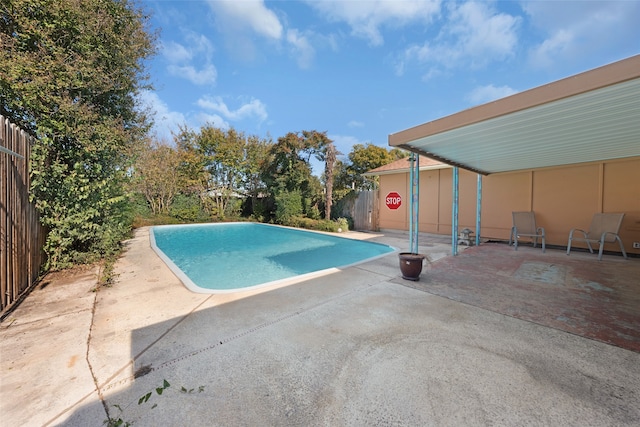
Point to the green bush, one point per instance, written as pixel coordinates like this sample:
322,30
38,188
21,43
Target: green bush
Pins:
233,209
288,206
314,212
139,205
299,221
344,224
187,208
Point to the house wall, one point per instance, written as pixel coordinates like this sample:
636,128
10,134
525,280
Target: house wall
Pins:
562,198
397,219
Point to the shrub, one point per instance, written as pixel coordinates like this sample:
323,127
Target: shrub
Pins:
299,221
288,205
187,208
344,224
314,212
233,209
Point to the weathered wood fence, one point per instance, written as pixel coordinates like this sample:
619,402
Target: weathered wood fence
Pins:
21,234
364,210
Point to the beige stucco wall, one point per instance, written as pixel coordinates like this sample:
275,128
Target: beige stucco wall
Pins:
562,198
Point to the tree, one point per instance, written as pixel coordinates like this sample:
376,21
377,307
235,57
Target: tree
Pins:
224,157
69,73
256,158
326,152
158,175
290,170
194,168
364,158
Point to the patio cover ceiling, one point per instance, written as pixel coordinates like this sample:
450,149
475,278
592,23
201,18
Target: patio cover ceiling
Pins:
592,116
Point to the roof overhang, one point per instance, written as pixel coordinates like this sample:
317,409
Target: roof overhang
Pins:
406,169
592,116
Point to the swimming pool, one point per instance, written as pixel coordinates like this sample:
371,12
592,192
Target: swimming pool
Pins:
226,257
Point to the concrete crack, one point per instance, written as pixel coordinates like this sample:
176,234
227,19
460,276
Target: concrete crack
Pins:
93,375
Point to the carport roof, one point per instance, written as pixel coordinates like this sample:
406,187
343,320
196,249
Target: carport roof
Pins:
592,116
404,165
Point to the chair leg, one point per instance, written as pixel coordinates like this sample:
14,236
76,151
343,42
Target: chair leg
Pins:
514,232
569,243
600,251
543,244
590,248
624,254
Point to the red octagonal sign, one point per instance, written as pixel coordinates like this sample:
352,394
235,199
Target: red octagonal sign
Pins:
393,200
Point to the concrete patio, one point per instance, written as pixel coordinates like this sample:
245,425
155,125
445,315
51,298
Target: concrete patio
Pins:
490,337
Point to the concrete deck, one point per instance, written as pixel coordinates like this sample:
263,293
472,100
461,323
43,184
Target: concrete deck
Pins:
491,337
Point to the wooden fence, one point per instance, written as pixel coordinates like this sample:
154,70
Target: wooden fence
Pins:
365,212
21,234
363,209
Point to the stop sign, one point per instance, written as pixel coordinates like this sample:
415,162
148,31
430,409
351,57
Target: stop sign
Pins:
393,200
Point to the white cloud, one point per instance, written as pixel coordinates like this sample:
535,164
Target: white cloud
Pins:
200,44
488,93
213,120
574,30
367,17
254,108
301,48
239,21
191,61
207,75
483,34
355,124
175,52
474,35
559,44
165,120
242,14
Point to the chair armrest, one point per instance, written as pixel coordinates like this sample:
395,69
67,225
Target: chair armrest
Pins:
584,233
604,236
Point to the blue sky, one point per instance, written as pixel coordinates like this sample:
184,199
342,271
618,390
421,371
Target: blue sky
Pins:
361,70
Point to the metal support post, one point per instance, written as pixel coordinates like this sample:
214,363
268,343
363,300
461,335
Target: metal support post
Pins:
478,209
411,160
454,213
415,196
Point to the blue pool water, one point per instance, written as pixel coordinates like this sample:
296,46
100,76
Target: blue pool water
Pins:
219,257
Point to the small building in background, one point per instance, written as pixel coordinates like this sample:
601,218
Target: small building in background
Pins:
562,197
565,150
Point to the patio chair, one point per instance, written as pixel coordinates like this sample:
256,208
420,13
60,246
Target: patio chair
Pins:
524,225
604,228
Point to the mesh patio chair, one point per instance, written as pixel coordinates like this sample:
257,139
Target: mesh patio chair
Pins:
604,228
524,225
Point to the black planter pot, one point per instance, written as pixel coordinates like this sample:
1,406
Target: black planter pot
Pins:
411,265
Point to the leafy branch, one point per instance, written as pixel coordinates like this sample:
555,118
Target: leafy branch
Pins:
119,422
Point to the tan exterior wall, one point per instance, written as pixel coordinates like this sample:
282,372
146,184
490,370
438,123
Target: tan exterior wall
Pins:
397,219
562,198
